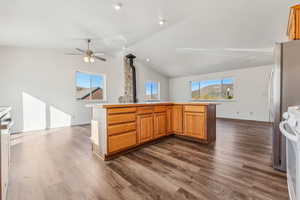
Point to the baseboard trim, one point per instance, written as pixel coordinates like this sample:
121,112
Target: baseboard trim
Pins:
46,129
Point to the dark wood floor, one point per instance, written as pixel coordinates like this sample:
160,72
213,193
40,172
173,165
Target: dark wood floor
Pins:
58,164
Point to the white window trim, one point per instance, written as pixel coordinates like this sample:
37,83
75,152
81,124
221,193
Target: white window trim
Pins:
104,87
213,100
145,90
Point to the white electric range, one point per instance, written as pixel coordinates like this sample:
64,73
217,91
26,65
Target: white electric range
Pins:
290,128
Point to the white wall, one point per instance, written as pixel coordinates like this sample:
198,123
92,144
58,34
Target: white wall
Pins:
145,73
251,92
40,86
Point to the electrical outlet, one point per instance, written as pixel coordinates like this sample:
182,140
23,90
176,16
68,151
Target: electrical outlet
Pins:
251,113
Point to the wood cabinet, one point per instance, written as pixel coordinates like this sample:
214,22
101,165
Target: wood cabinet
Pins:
121,110
194,108
145,127
169,120
160,109
160,124
294,23
118,128
195,124
121,128
177,119
200,122
121,141
121,118
145,110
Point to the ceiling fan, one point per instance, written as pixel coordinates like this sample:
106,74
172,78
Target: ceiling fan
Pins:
89,56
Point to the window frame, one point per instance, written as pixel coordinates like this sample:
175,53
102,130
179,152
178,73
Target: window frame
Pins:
158,90
214,79
104,87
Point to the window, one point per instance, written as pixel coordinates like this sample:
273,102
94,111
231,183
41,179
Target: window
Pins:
152,90
213,89
90,86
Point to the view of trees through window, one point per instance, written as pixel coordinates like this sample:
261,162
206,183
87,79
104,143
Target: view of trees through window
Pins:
89,86
213,89
152,90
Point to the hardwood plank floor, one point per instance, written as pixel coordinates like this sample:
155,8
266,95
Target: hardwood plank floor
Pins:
58,164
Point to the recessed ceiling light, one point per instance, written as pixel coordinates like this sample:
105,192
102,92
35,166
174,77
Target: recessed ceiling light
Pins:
148,59
161,22
118,6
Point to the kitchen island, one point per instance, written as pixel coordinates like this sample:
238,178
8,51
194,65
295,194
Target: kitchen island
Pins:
118,128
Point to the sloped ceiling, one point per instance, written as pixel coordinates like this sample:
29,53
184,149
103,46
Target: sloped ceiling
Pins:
192,41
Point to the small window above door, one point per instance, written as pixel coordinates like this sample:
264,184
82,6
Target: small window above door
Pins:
152,90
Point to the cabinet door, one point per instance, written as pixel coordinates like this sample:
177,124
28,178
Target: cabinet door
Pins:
177,119
160,124
169,120
145,126
195,125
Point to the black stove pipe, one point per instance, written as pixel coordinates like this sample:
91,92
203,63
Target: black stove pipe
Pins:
131,57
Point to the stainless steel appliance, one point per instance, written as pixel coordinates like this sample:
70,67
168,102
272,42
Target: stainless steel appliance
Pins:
290,128
5,126
284,93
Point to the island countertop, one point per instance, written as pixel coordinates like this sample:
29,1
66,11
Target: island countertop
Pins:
120,105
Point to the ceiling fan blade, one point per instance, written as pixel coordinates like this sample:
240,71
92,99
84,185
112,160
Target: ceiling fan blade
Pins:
80,50
74,54
100,58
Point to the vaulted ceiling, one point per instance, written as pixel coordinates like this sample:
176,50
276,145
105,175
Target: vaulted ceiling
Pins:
199,36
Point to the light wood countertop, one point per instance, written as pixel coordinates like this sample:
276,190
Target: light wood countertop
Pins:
121,105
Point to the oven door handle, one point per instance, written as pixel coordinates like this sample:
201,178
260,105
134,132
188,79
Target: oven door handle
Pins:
290,136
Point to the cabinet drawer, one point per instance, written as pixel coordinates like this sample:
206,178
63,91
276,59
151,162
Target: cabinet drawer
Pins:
177,107
121,118
195,108
160,108
121,128
121,110
145,110
122,141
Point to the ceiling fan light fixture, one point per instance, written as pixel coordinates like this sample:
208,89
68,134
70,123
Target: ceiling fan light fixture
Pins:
162,22
118,6
92,60
86,59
